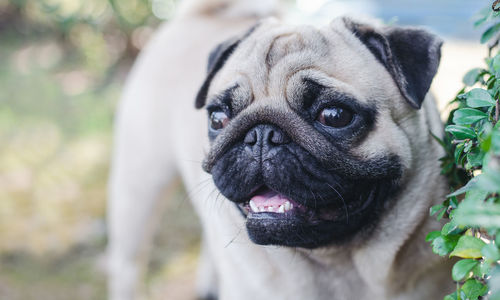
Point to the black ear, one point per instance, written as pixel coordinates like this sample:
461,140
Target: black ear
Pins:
216,60
410,55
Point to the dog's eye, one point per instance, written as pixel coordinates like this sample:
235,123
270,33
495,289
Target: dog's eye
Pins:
218,120
335,117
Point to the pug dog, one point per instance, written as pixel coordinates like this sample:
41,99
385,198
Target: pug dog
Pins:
321,138
319,166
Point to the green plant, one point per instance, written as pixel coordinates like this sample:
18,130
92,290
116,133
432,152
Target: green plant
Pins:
472,164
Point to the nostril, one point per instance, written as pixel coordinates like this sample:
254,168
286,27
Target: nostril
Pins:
270,136
266,135
277,137
251,137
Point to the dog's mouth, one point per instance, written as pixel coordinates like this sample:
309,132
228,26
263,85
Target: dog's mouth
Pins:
273,218
266,200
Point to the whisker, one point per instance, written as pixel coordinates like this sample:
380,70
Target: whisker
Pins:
213,203
234,238
198,187
220,203
343,202
314,197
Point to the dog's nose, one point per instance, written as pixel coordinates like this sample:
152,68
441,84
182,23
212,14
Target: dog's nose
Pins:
266,135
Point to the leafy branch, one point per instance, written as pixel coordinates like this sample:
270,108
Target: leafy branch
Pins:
472,164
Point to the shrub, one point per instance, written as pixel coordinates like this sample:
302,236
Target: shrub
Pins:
472,164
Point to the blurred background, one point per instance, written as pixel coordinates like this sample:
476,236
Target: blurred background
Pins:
62,67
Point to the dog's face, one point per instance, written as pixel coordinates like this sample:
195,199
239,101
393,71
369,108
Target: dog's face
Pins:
305,125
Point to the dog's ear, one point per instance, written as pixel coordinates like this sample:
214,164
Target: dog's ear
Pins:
216,60
410,55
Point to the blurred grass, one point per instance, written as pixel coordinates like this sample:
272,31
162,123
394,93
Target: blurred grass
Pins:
54,153
62,66
26,277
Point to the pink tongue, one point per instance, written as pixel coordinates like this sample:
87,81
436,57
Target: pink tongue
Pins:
270,198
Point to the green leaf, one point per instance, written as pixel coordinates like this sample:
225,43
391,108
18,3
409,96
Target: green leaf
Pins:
435,209
485,141
448,228
475,195
452,296
495,140
451,228
469,186
442,245
453,202
483,15
490,181
490,252
475,157
496,65
459,150
468,247
463,296
473,289
460,132
494,284
491,82
432,235
489,33
462,268
467,116
482,269
479,98
471,77
484,130
480,214
441,214
494,296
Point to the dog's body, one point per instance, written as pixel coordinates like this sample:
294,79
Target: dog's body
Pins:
159,133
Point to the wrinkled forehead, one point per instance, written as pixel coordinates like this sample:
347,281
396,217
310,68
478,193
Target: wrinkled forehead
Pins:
272,61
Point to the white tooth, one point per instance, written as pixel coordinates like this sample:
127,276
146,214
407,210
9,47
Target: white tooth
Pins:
291,205
270,208
262,209
287,205
253,206
281,209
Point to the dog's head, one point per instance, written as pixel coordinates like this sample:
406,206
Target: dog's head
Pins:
303,124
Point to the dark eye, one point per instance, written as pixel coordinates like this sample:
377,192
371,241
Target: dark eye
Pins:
218,120
335,117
